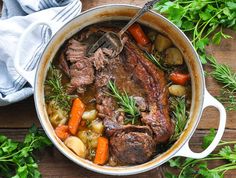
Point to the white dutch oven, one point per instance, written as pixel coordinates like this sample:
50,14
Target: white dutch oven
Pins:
200,96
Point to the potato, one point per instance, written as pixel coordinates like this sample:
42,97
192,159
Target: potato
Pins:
173,56
177,90
97,126
76,145
89,115
83,136
162,43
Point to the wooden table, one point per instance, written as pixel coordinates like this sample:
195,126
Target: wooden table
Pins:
15,119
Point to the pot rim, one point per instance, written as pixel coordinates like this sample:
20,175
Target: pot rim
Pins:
126,170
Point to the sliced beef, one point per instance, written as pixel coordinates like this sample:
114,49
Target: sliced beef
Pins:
81,70
153,81
63,65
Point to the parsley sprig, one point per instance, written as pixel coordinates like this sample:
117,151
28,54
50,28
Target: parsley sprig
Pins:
127,103
17,159
189,167
200,20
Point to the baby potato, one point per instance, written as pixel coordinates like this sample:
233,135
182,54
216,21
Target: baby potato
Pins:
177,90
83,136
89,115
76,145
162,43
97,126
173,56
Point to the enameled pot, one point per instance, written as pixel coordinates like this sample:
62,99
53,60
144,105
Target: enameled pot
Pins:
200,97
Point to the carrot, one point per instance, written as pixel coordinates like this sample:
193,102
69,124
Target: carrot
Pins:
138,34
75,115
179,78
102,151
62,131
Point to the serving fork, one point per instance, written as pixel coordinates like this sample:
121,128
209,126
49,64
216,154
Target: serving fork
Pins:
113,41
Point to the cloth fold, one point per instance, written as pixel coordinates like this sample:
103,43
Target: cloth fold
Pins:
17,15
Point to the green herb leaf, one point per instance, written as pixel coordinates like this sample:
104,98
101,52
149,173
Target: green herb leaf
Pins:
207,139
127,103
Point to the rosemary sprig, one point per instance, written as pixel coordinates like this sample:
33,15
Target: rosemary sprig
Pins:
56,90
228,98
178,106
223,74
152,58
127,103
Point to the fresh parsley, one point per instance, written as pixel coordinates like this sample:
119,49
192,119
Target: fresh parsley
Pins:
189,167
200,20
17,159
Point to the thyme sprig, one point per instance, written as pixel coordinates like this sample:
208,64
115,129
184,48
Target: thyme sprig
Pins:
127,103
55,89
153,59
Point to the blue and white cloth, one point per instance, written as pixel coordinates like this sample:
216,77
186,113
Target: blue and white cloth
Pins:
16,16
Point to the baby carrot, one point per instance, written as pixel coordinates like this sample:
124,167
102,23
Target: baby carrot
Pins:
62,131
102,151
179,78
76,115
138,34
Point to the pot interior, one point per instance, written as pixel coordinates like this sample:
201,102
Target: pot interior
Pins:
150,19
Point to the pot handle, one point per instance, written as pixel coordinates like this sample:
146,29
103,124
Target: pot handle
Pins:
28,75
185,151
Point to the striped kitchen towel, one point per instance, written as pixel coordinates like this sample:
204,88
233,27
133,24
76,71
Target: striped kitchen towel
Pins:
16,16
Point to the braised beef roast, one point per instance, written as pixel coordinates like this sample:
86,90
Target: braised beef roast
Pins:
134,73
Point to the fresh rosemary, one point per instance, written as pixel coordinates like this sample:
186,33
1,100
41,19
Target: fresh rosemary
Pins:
180,114
127,103
55,90
153,59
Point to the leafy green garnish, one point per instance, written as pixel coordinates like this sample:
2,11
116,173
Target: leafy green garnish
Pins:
225,75
178,107
189,167
17,159
55,90
152,58
200,20
127,103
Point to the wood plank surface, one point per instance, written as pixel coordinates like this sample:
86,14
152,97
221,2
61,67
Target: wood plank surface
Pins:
15,119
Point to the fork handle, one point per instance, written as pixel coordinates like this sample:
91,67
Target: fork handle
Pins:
144,9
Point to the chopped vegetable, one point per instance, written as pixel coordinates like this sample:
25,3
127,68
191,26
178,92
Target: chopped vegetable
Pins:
56,115
76,145
173,57
179,78
89,115
128,103
177,90
102,151
62,131
162,43
97,126
139,35
76,115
